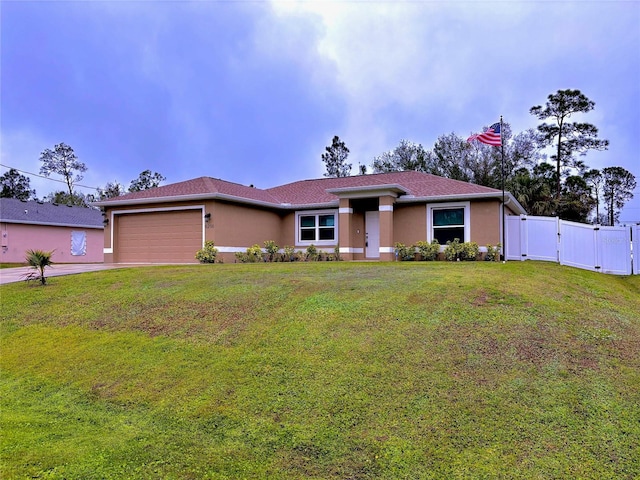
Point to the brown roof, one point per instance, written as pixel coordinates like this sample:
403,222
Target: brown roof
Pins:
197,187
415,184
307,192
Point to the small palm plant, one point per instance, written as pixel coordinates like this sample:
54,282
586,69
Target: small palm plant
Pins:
39,260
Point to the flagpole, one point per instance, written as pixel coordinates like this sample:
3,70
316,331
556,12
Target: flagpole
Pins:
504,225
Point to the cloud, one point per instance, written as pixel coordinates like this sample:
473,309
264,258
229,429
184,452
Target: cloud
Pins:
420,69
253,92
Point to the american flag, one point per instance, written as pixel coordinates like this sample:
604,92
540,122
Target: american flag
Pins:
491,136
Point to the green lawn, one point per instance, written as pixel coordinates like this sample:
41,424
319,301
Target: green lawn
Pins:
322,370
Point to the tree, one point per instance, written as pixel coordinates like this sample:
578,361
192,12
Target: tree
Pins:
335,158
617,188
146,180
594,180
522,151
533,189
111,190
39,260
61,197
406,156
571,137
15,185
451,157
63,161
576,201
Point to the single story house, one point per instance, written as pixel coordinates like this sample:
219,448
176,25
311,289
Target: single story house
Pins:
74,234
364,216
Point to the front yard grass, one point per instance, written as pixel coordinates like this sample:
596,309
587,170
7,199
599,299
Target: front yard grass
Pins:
324,370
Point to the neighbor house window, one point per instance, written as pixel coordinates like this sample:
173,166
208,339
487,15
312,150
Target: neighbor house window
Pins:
446,222
317,227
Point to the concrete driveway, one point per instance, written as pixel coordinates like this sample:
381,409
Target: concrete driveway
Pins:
11,275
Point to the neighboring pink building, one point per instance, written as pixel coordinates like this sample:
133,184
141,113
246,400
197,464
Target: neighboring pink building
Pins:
74,234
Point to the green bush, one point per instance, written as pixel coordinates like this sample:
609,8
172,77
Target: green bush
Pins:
428,251
493,253
208,254
272,249
312,253
403,252
289,254
470,251
252,255
453,250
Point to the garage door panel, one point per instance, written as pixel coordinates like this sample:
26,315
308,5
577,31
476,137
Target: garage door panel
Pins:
159,237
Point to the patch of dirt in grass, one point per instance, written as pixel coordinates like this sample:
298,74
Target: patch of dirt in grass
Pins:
486,298
541,345
208,320
481,299
490,347
534,348
628,350
311,461
303,459
419,298
102,390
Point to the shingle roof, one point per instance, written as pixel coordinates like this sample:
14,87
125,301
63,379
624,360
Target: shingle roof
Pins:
202,186
13,210
415,184
308,192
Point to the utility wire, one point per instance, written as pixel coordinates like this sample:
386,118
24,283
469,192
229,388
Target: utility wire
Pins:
46,178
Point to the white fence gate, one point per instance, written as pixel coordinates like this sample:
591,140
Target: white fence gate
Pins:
591,247
532,238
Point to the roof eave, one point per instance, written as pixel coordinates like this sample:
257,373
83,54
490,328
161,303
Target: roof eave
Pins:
187,198
136,201
509,199
309,206
368,190
51,224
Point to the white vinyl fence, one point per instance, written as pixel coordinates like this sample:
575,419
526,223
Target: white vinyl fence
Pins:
635,236
591,247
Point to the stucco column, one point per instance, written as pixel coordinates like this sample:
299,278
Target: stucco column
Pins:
386,227
345,214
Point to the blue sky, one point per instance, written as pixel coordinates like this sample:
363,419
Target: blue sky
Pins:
252,92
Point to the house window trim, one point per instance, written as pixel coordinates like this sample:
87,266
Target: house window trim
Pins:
317,214
446,206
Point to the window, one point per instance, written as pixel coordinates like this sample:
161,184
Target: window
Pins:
447,222
317,227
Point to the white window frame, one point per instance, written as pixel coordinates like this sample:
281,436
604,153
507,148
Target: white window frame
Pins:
317,214
448,206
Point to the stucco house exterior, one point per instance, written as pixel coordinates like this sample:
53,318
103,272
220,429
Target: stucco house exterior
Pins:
363,215
74,234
